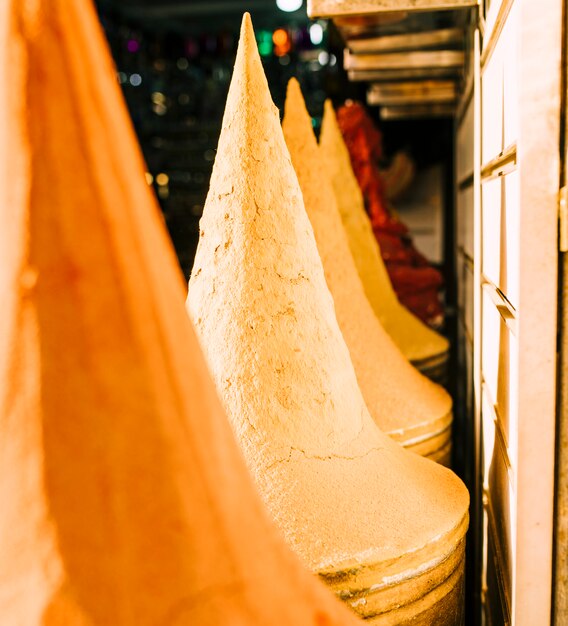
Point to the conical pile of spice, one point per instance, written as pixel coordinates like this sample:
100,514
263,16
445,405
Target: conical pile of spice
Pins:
125,500
385,528
407,406
421,345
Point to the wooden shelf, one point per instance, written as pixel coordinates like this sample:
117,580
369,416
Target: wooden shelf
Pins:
337,8
404,60
417,111
415,92
421,73
412,41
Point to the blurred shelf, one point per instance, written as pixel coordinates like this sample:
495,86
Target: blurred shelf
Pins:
417,111
415,92
336,8
416,59
411,41
422,73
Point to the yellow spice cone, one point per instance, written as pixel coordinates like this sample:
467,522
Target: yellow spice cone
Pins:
124,498
417,341
383,526
406,405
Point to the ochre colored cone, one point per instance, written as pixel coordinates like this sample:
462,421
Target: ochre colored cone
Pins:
406,405
124,497
416,340
383,526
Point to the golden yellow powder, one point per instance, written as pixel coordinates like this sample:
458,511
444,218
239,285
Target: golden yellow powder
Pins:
349,500
403,403
416,340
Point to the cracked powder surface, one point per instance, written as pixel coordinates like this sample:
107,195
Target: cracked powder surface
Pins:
398,397
339,489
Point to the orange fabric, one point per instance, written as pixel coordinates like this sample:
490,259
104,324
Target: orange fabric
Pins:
124,498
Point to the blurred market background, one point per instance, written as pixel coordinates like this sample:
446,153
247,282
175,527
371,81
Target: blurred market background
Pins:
174,60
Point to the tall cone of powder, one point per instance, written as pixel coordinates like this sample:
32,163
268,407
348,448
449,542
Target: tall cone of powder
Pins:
406,405
419,344
384,527
125,499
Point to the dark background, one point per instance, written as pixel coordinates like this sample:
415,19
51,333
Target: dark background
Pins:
174,61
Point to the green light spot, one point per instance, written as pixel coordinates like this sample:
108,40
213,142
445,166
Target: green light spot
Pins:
264,41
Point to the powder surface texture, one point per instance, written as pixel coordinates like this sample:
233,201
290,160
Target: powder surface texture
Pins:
125,500
341,490
416,340
399,398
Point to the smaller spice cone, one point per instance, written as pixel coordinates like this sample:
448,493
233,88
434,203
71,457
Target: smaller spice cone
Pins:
420,344
124,498
385,528
405,405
